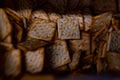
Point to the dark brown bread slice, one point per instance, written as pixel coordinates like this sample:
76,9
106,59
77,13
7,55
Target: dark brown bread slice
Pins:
44,31
13,63
113,62
31,44
57,55
68,29
35,60
114,41
75,60
101,21
5,26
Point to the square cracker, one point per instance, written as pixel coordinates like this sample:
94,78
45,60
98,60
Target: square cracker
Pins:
57,54
68,29
34,60
13,63
44,31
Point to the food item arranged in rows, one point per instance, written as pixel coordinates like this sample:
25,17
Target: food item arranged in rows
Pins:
46,42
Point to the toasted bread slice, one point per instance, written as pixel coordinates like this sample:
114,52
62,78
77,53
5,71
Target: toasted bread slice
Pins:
75,60
113,41
54,16
39,15
87,21
57,55
5,26
83,44
31,44
34,60
13,63
68,29
43,31
113,60
101,6
101,21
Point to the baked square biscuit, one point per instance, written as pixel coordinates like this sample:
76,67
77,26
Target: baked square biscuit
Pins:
68,29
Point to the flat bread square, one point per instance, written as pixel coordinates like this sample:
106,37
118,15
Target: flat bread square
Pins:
43,31
68,29
13,63
57,55
34,60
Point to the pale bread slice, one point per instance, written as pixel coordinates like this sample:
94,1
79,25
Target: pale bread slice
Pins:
31,44
87,21
39,15
54,16
13,63
75,61
43,31
101,21
35,60
68,29
5,26
57,55
83,44
113,41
